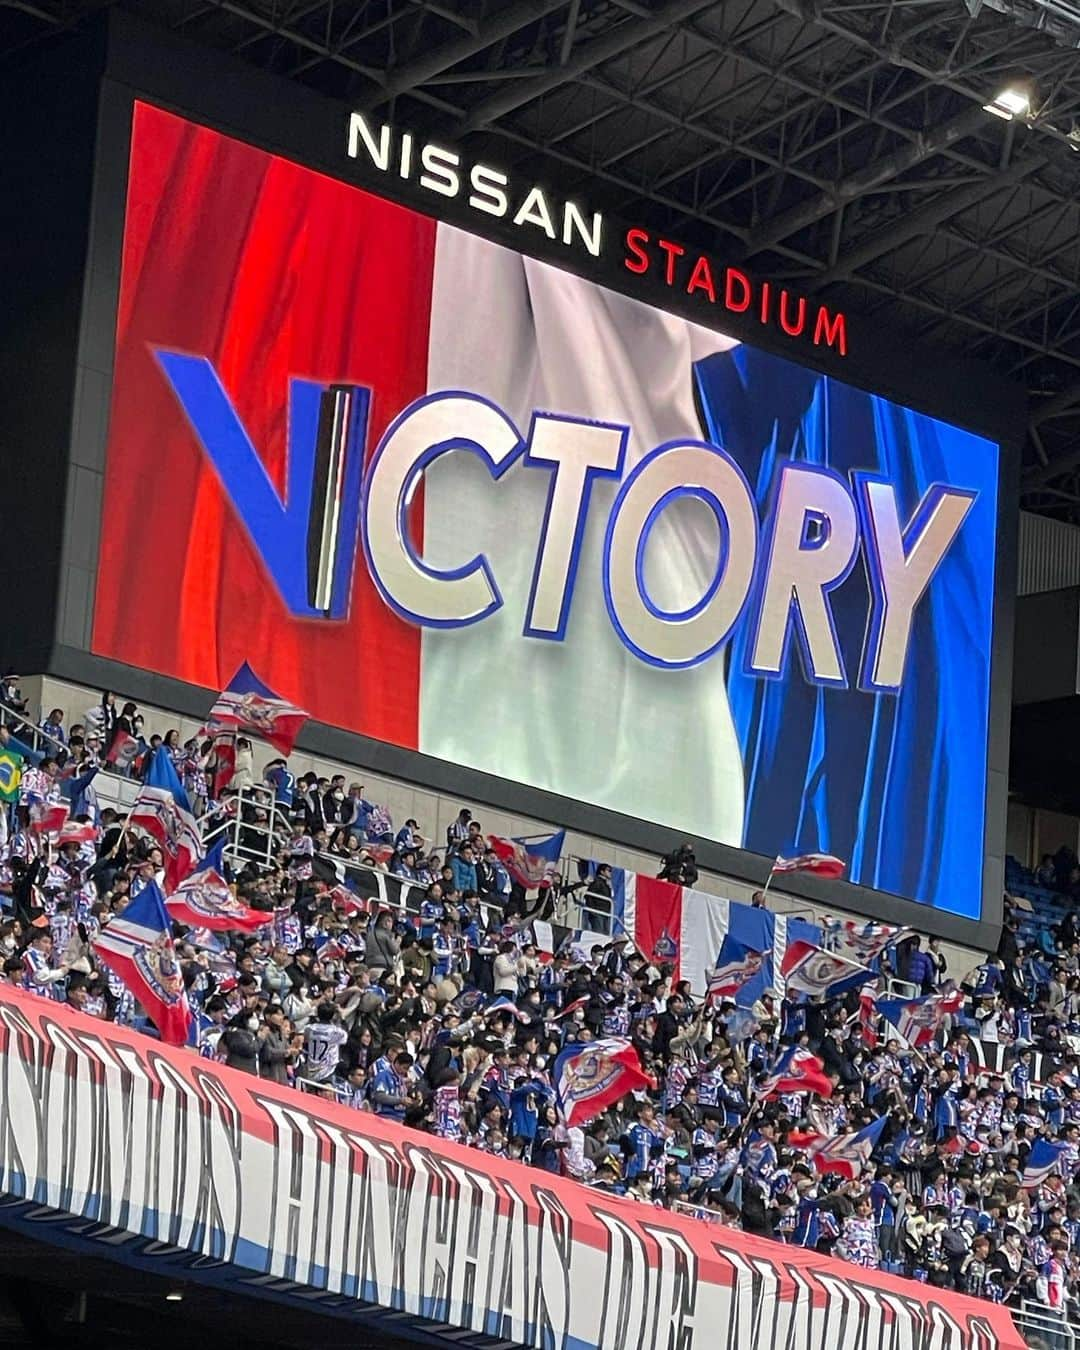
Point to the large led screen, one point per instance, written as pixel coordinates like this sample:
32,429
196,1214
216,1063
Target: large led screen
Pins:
457,499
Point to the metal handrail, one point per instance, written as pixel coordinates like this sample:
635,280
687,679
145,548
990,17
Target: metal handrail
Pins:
37,736
273,833
1051,1327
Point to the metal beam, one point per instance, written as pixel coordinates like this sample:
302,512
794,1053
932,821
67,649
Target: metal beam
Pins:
972,321
1035,478
1061,403
928,217
631,33
503,23
874,175
826,17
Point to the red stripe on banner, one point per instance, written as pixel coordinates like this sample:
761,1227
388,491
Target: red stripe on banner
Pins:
658,921
271,271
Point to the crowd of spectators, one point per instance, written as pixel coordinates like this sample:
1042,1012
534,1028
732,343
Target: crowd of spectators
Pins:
448,1018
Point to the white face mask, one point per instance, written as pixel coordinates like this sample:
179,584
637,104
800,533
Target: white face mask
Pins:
253,1024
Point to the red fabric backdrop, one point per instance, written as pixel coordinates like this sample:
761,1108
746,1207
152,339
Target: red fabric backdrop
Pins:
271,271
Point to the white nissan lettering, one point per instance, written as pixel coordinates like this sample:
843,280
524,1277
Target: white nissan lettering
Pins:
440,170
811,540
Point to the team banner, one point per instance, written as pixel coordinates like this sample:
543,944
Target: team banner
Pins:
775,586
686,929
295,1195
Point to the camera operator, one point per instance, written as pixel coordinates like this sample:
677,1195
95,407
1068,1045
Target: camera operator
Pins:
679,866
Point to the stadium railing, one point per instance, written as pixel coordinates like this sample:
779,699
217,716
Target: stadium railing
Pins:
1044,1328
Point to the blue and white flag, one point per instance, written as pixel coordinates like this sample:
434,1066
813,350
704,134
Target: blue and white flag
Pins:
503,1003
1043,1162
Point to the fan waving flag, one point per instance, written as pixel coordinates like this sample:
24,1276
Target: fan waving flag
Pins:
590,1078
1042,1163
76,832
860,941
819,864
797,1071
162,811
138,947
868,1018
918,1019
809,970
204,899
736,966
123,751
531,860
503,1003
246,704
847,1155
48,818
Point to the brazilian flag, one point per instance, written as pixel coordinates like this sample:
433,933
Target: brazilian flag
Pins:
11,767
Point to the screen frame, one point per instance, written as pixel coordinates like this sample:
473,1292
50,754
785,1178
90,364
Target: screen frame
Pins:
282,117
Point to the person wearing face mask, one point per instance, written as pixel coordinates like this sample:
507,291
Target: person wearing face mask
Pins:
240,1041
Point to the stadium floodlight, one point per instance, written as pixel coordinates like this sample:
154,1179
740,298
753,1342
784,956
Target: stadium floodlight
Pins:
1013,101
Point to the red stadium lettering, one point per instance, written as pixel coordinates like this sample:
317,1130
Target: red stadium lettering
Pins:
831,329
638,261
738,292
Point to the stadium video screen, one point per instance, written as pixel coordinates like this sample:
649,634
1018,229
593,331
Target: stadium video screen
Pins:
454,498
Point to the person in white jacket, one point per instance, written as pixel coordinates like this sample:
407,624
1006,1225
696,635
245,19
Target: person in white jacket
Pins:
507,967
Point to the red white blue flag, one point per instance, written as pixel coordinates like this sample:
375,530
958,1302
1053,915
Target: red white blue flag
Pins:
48,817
819,864
590,1078
138,947
123,751
736,965
867,1016
76,832
503,1003
918,1019
246,704
162,811
797,1071
860,941
848,1155
810,970
205,900
530,861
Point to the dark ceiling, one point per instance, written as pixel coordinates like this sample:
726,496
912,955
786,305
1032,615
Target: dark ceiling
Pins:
841,144
52,1298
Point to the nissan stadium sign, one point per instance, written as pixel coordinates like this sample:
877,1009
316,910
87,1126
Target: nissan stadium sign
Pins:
490,192
453,497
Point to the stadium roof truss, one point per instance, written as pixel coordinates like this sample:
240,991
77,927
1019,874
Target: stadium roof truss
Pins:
914,160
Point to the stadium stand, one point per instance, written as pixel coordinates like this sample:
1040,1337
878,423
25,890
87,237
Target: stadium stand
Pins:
405,976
